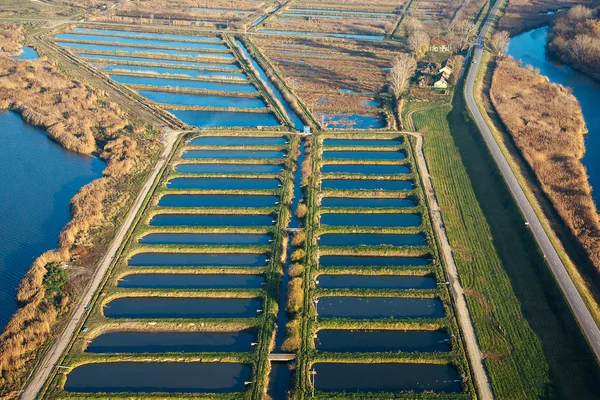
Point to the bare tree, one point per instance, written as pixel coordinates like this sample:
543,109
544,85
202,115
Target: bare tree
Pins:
419,43
462,34
412,24
580,13
403,69
499,41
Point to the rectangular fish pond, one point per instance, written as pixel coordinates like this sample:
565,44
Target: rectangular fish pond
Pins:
372,261
379,307
236,141
375,282
365,341
365,202
191,281
370,219
171,342
184,83
197,260
206,238
217,201
229,168
232,154
170,377
364,155
371,239
364,184
141,60
181,307
190,73
230,119
386,377
211,220
202,100
223,183
365,169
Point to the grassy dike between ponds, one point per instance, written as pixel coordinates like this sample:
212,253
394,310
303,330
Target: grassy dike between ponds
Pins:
311,323
531,342
263,323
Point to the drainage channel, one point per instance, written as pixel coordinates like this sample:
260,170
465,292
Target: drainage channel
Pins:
281,367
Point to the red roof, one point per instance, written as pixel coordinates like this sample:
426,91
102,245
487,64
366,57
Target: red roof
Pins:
439,42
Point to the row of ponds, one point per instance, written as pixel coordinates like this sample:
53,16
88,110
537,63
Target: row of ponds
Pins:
198,79
181,247
233,204
353,213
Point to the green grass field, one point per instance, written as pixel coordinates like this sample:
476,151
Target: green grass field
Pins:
532,344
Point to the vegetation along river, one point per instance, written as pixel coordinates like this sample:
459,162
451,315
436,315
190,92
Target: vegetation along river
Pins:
530,48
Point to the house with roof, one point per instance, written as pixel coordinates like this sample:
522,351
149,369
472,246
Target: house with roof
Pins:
439,45
441,83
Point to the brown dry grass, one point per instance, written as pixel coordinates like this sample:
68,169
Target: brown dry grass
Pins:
547,125
11,38
523,15
71,112
76,116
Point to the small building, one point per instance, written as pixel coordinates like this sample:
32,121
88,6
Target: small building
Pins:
446,70
439,45
441,84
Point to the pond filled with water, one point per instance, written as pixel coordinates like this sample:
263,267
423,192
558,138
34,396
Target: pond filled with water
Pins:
351,121
28,53
367,202
206,238
181,307
184,83
38,178
194,73
236,140
197,260
371,239
229,168
353,341
372,261
192,281
367,219
220,201
280,380
146,34
386,377
530,48
203,100
208,119
171,377
362,142
163,342
379,307
365,169
294,118
233,154
223,183
126,49
376,282
211,220
363,184
159,61
365,155
141,41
